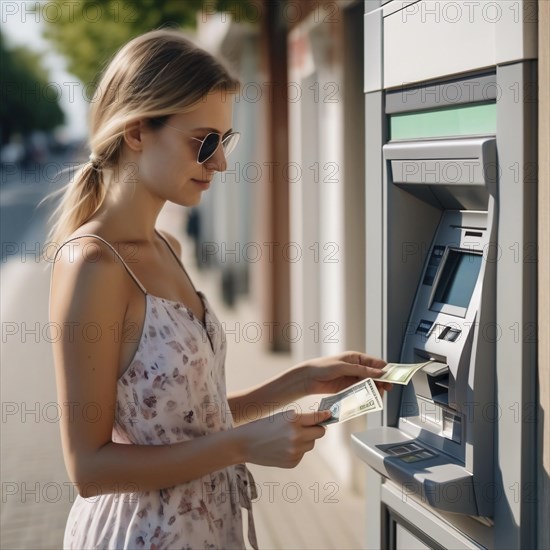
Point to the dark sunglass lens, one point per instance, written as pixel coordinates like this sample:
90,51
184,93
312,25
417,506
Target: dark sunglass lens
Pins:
208,147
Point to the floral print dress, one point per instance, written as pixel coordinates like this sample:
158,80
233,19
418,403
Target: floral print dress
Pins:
173,390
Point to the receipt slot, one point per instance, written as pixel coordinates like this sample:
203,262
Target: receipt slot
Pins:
439,443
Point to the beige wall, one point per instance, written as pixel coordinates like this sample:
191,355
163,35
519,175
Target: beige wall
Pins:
544,276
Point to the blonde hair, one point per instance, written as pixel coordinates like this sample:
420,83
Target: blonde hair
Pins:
152,77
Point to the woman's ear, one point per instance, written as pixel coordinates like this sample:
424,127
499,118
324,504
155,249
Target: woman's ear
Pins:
133,135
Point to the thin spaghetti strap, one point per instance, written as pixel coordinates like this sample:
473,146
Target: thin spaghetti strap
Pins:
175,256
138,282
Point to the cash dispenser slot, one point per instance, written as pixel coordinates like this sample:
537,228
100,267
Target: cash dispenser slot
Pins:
432,382
442,381
438,377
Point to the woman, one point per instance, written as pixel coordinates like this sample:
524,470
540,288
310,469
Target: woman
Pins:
155,447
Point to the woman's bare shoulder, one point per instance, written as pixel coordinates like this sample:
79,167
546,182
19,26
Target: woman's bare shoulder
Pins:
87,266
84,251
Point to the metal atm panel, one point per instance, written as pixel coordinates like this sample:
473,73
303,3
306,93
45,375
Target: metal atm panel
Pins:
438,442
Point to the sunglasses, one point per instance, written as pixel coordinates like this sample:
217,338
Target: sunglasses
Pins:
211,142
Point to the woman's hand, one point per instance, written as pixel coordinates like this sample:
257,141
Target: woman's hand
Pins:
322,375
281,439
334,373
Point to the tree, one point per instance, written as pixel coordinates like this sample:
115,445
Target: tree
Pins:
88,33
28,102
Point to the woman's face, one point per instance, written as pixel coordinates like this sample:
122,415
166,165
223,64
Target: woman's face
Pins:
168,158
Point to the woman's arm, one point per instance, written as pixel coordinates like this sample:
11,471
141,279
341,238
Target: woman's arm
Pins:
95,292
329,374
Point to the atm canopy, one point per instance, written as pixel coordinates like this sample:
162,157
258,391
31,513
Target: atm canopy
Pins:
448,173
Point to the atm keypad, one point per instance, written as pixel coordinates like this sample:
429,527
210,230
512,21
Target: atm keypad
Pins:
417,457
402,449
409,452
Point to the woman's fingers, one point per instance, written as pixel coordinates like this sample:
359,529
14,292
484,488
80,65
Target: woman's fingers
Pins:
372,362
314,418
357,370
358,358
282,439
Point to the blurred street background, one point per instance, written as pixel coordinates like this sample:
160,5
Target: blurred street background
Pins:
278,241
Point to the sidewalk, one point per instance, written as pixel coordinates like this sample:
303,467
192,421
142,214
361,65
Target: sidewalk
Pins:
296,508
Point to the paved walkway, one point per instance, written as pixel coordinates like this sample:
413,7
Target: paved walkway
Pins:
299,508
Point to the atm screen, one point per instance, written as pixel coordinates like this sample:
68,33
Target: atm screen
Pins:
458,278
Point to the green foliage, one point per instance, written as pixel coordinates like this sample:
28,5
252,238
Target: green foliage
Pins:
90,33
28,101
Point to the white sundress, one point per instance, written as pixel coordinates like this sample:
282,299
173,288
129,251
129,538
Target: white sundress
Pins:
173,390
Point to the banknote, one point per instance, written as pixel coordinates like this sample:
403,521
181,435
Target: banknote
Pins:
401,373
361,398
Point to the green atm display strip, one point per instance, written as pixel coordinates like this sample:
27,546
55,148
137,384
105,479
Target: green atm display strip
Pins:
462,120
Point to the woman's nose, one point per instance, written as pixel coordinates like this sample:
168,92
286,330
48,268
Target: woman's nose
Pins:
217,161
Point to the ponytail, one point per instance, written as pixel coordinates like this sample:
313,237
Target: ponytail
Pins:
82,197
155,75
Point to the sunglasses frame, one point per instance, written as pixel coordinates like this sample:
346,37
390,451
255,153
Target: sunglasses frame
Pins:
221,140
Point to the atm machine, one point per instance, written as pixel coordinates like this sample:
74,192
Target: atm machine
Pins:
451,275
436,444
